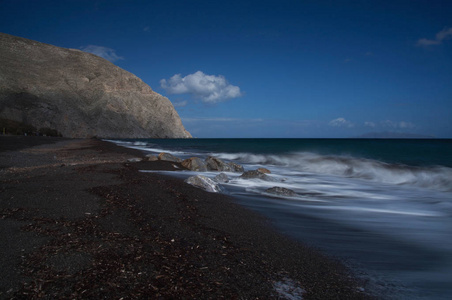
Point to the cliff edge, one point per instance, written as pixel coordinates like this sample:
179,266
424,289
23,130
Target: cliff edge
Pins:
79,94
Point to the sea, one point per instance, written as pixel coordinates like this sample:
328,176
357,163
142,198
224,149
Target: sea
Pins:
383,207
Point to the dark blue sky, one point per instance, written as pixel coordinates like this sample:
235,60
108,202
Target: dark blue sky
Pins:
269,68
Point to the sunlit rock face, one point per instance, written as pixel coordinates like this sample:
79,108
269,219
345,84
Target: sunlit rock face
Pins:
79,94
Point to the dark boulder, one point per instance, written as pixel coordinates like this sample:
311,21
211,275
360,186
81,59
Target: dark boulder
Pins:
169,157
255,174
216,164
204,183
280,191
221,178
195,164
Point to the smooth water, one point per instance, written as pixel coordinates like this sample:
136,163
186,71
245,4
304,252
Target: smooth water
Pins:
384,207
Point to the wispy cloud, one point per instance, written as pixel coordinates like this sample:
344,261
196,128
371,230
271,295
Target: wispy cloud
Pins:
341,122
369,124
397,124
208,88
104,52
441,36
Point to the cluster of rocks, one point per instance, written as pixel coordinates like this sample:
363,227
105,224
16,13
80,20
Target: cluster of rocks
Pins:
215,164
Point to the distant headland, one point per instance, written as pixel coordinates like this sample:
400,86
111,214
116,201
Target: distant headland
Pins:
78,94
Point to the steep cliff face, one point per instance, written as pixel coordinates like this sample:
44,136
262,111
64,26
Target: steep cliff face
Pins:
79,94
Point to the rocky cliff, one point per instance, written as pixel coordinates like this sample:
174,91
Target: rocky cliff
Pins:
79,94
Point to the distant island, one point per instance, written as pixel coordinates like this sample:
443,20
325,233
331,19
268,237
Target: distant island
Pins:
393,135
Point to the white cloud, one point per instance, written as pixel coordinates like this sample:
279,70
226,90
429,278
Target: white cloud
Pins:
104,52
369,124
441,36
208,88
341,122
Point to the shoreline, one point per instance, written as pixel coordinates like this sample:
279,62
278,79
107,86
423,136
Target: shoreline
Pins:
97,227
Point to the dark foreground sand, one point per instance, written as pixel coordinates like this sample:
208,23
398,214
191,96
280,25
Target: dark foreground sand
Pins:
78,221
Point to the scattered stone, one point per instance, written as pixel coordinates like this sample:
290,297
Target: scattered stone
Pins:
280,191
216,164
221,178
255,174
236,167
151,157
264,170
135,159
195,164
204,183
169,157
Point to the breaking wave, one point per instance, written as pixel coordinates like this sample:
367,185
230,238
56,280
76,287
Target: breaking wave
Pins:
435,177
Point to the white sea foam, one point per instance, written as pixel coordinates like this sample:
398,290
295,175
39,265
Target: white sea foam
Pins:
288,289
351,203
439,178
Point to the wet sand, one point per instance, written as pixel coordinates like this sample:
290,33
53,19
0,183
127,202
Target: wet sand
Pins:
79,221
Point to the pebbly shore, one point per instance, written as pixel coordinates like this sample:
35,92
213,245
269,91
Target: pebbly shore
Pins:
78,220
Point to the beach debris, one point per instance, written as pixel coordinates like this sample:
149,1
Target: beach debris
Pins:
195,164
135,159
281,191
151,157
221,178
255,174
204,183
264,170
169,157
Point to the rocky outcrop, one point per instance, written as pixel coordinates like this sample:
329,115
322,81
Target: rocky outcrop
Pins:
79,94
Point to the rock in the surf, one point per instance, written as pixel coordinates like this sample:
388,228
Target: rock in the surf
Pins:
264,170
255,174
195,164
204,183
280,191
236,167
169,157
216,164
221,178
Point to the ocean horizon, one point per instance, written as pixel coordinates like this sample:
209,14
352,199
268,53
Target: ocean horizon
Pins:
381,206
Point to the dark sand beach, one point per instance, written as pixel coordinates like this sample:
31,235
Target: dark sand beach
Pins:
80,221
